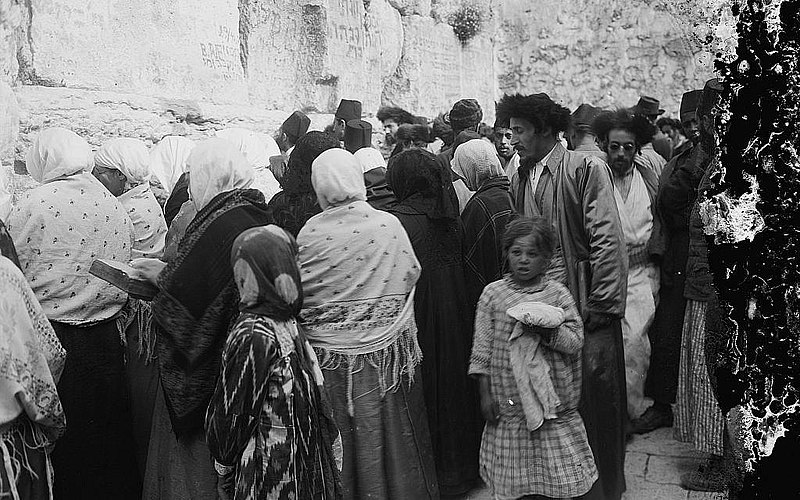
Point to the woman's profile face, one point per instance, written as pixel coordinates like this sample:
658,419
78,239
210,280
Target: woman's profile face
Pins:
112,179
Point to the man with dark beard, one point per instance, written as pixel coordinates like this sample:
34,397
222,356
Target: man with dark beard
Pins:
575,193
622,134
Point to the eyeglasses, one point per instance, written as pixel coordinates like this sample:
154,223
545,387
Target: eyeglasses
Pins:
628,146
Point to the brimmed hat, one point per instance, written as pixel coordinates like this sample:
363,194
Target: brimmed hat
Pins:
689,103
296,125
357,135
647,106
348,110
466,113
583,117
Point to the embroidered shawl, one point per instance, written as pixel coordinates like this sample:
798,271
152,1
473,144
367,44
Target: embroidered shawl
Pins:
197,303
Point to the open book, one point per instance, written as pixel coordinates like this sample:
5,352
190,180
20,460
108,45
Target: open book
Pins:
124,277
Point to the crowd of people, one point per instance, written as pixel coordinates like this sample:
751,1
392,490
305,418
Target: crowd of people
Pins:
462,303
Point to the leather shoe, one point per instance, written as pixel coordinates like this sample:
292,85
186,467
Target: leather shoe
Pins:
651,420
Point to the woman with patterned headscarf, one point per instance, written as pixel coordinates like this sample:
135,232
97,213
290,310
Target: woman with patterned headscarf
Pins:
193,309
59,229
31,416
485,215
297,203
442,314
359,272
284,447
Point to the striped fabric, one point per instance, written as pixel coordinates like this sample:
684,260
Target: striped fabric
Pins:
554,460
698,419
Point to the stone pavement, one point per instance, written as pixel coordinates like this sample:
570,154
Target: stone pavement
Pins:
654,463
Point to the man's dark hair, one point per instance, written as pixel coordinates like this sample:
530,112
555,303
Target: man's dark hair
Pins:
623,118
399,115
538,109
417,136
442,130
672,122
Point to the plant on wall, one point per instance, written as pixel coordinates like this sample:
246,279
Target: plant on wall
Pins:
467,21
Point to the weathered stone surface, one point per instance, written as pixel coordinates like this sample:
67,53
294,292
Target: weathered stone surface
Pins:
661,442
412,7
604,53
180,48
635,463
436,70
100,115
9,122
10,19
640,489
668,470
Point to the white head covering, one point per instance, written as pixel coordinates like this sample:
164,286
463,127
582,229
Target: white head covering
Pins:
58,152
168,159
129,156
370,158
476,160
256,147
216,166
337,178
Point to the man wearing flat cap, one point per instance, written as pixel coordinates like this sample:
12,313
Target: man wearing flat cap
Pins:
465,115
348,110
580,134
655,153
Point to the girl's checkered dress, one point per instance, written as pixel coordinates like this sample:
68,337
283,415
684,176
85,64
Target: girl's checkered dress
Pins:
555,460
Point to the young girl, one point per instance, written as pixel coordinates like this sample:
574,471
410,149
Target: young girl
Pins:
554,460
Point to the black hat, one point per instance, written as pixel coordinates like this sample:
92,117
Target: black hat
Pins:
466,113
689,103
296,125
647,106
357,135
348,110
583,117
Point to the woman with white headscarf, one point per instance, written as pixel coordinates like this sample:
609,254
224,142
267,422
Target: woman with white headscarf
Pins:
485,215
358,276
123,166
168,164
60,228
196,303
257,148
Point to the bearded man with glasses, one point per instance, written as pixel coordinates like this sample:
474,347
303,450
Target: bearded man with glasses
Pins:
622,134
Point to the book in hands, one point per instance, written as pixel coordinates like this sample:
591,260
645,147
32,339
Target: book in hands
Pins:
124,277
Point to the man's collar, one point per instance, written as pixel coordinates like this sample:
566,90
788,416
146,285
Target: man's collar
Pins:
546,158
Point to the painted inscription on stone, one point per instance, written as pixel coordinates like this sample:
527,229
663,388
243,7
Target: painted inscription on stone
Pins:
222,54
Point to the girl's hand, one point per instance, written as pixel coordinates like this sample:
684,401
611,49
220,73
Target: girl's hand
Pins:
489,407
148,269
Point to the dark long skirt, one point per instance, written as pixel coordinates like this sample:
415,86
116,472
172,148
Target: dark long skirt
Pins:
665,344
387,448
95,458
604,408
142,377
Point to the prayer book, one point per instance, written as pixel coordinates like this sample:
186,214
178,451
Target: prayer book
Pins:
124,277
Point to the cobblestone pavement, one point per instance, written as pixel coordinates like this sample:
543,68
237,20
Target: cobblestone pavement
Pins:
654,463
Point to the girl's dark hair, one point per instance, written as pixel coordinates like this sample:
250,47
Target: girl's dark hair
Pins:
411,136
538,109
297,178
543,235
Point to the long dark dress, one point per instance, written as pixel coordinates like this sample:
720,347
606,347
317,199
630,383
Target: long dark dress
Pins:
445,337
178,196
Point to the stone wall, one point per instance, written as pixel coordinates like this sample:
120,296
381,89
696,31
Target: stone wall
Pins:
108,68
607,52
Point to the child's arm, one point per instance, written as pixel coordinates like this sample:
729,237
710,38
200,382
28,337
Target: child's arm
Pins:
567,338
481,357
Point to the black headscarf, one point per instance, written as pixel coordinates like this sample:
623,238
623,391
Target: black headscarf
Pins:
297,178
419,181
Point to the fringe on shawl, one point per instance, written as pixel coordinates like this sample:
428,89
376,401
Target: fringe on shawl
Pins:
142,311
394,363
15,457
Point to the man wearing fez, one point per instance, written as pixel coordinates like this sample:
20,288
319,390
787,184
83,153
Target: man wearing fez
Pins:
357,135
675,197
575,193
347,110
580,135
635,187
286,137
655,153
358,140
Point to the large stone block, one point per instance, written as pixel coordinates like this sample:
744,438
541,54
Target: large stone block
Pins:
607,53
9,122
100,115
435,70
11,17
